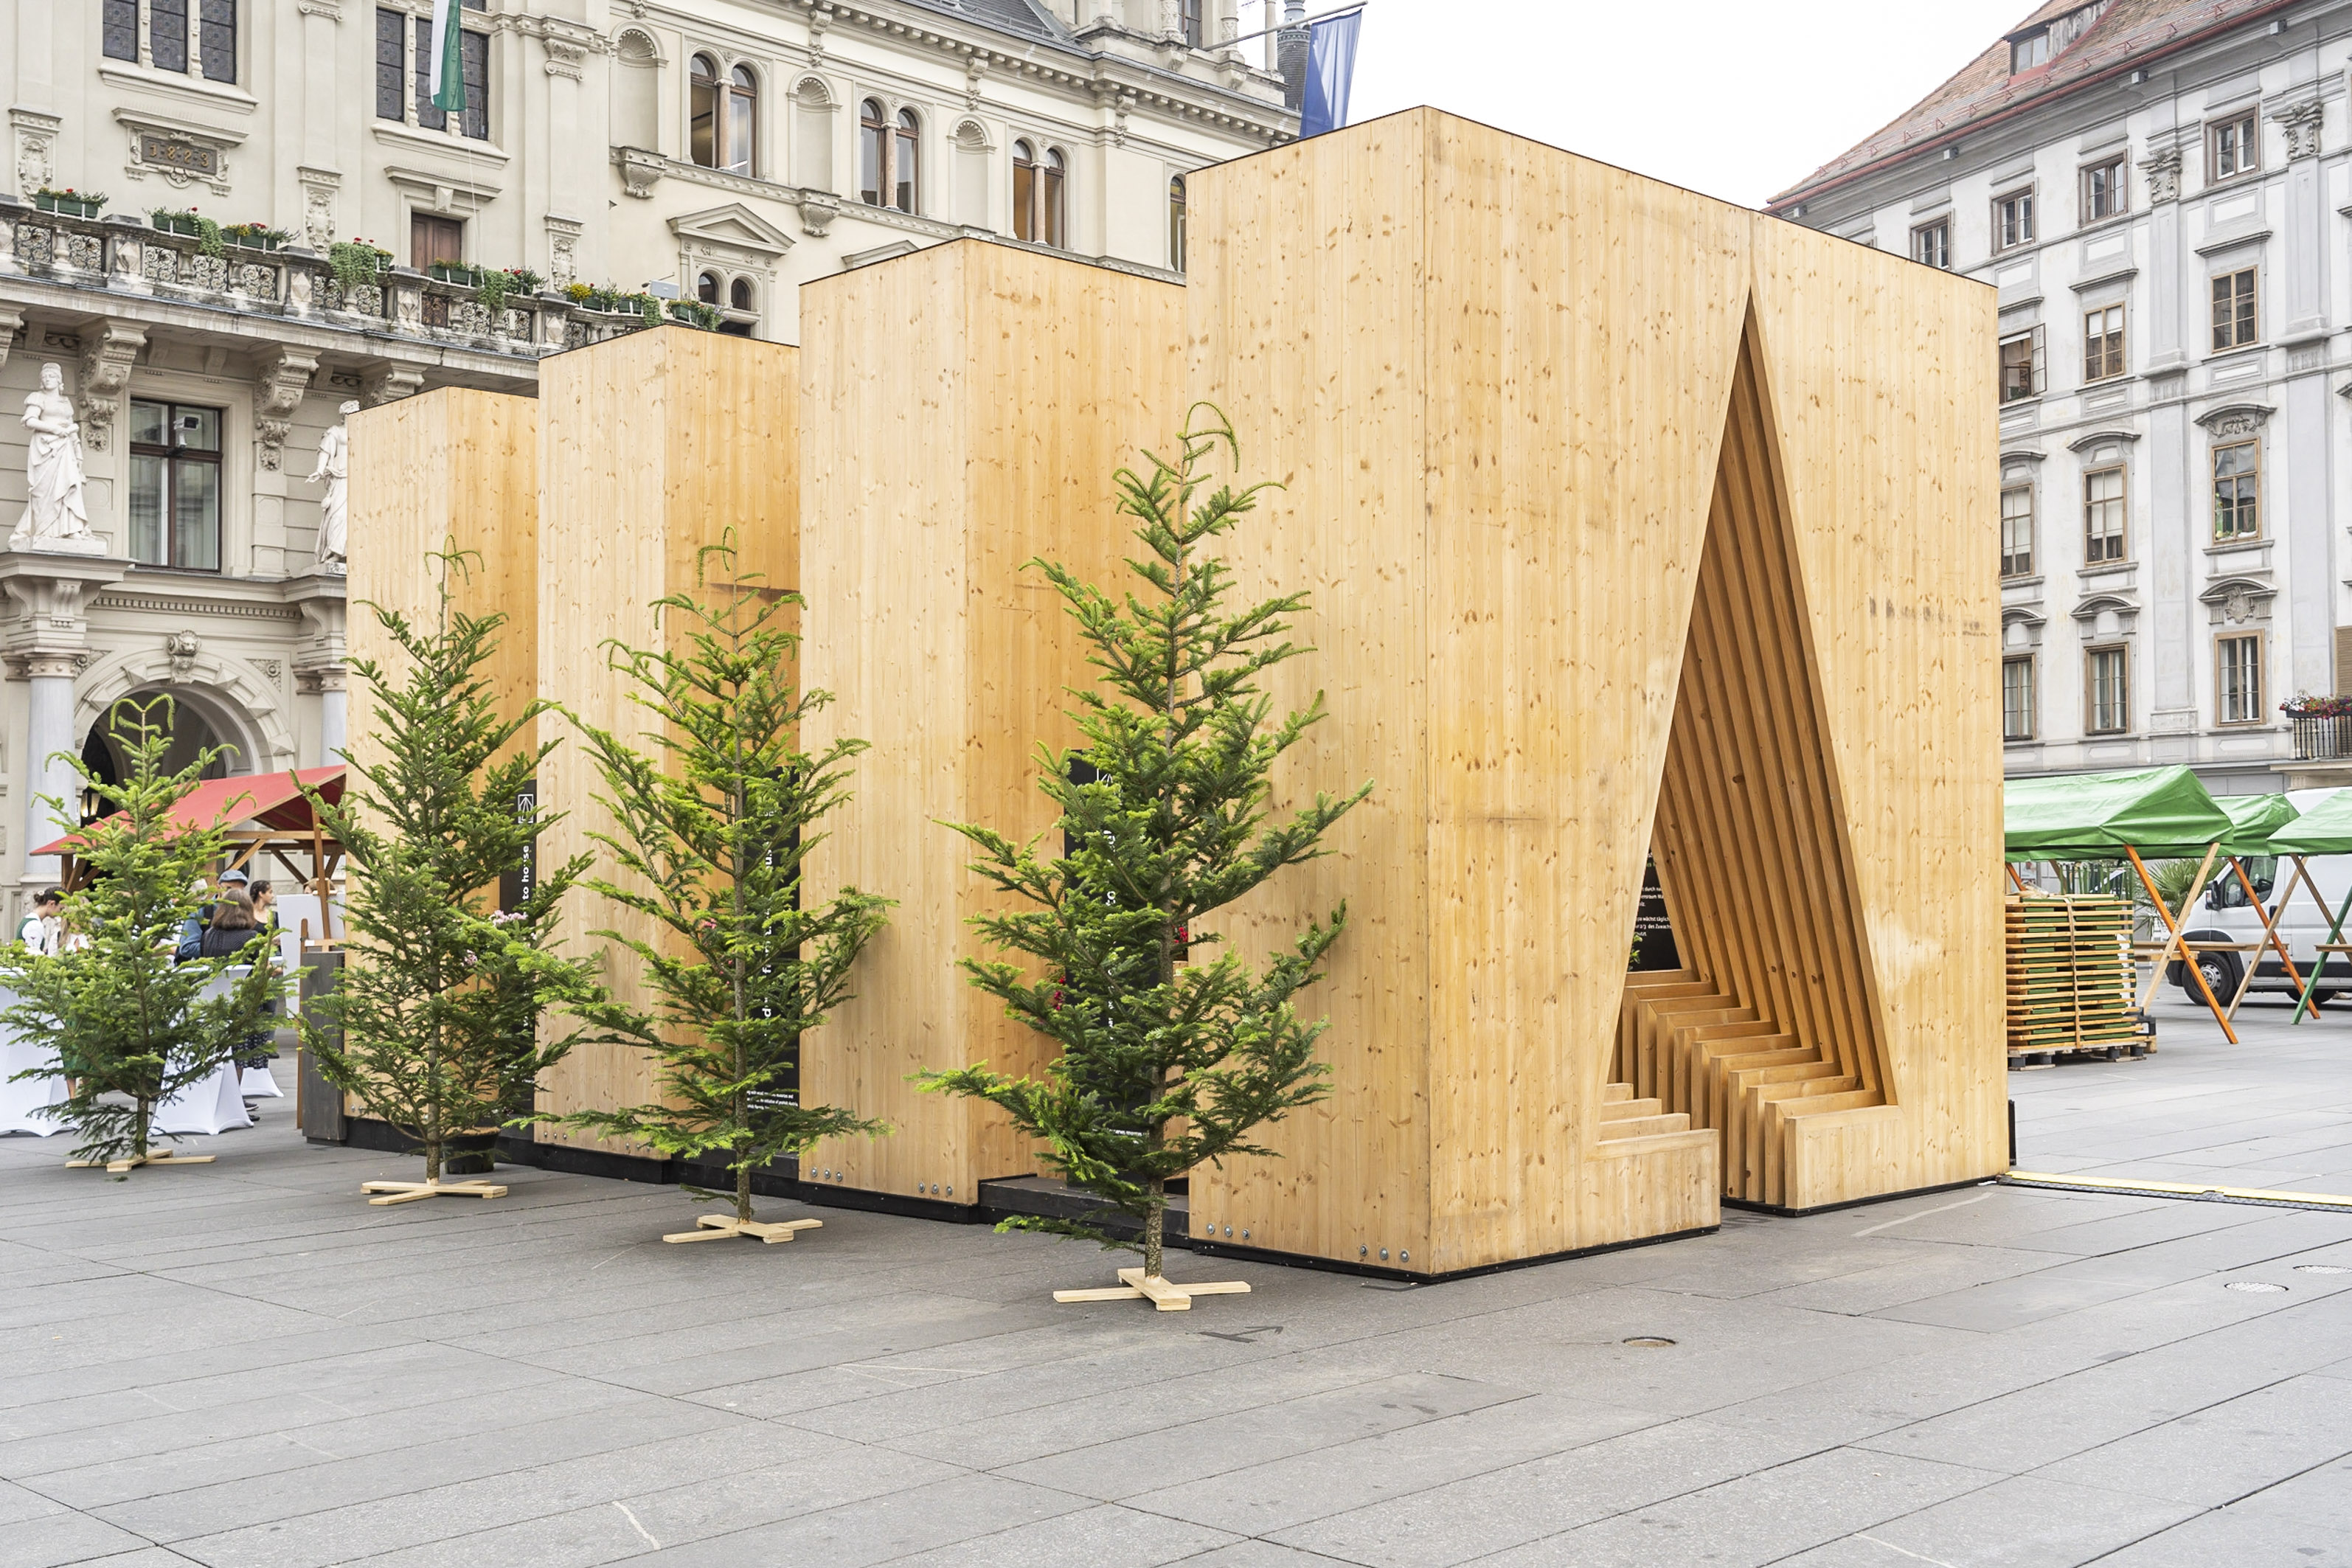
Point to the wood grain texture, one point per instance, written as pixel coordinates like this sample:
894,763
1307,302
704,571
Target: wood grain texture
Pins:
654,446
1516,398
964,410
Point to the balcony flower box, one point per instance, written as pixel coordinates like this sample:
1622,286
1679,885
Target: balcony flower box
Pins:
255,237
69,203
187,225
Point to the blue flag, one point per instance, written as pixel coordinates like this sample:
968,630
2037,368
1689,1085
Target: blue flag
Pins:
1330,72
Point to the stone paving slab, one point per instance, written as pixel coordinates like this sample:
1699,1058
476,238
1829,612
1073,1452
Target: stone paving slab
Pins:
241,1365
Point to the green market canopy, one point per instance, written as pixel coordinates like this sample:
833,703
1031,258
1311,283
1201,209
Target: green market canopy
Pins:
2258,817
2324,830
2160,812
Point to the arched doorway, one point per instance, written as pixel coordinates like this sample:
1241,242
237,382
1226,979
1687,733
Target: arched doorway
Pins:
196,724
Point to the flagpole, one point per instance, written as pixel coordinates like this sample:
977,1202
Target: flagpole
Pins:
1294,26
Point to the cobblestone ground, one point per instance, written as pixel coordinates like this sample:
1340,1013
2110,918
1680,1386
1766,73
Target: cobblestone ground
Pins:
239,1364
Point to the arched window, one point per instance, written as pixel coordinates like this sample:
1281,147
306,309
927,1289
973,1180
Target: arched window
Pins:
872,152
1176,222
743,121
706,288
907,162
1024,192
702,130
738,295
726,116
1051,227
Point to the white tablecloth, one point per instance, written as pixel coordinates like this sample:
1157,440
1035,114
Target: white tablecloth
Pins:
210,1105
258,1083
19,1100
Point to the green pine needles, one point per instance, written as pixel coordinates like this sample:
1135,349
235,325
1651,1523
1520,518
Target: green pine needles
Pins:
134,1029
713,827
1170,1058
434,1022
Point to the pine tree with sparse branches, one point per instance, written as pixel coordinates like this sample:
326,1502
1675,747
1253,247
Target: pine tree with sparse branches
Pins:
432,1024
1169,1057
134,1029
714,817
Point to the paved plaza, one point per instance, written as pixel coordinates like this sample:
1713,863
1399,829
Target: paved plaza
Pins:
241,1365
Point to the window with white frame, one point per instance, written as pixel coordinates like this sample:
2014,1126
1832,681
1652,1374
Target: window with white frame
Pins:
2237,678
2105,190
2234,147
2022,367
2106,705
2012,219
2017,708
2017,532
1932,243
188,38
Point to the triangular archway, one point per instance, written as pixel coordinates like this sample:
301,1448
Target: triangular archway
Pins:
1772,1014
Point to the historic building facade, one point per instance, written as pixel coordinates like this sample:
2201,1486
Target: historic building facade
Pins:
618,156
2159,191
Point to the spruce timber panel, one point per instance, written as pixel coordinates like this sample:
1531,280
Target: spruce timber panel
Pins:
964,409
449,471
1492,377
1876,374
653,446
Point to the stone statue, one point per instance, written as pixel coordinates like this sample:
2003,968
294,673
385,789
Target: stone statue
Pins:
334,467
55,518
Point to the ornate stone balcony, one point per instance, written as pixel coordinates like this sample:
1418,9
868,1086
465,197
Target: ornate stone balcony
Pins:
121,256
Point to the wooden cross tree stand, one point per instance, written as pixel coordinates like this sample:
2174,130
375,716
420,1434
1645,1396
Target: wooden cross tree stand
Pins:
410,1192
1135,1284
719,1226
132,1162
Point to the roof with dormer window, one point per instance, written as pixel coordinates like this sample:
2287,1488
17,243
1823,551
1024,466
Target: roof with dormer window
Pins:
2126,34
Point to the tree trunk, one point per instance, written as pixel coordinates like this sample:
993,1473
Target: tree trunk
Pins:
743,1193
1155,1230
432,1161
139,1124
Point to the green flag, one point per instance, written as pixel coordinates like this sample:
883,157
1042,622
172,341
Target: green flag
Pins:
448,68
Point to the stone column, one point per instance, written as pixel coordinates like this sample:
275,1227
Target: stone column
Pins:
2303,652
2169,593
45,646
320,597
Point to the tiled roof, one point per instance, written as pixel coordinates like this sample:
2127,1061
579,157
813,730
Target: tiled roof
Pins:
1984,87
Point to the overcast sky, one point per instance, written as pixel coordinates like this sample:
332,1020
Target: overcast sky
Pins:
1739,98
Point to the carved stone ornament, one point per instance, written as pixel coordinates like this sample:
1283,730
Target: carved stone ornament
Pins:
640,171
37,145
563,250
56,516
183,648
2235,422
817,212
2302,124
391,383
2163,171
320,188
106,361
281,378
2237,606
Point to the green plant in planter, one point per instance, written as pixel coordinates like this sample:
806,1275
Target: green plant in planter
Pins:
255,236
70,202
357,264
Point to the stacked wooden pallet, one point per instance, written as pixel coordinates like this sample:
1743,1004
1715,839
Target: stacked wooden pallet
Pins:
2070,975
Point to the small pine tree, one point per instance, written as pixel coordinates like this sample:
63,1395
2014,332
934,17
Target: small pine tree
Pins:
134,1029
432,1024
1166,1061
713,825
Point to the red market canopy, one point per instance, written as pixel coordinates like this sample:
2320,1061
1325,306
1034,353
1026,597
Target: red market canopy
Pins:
274,802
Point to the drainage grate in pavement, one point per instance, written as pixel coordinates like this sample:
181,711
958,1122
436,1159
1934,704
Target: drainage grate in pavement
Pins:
2322,1269
2255,1287
1649,1342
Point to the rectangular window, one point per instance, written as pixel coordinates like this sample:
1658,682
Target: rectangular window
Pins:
427,116
2234,147
2017,715
2238,671
2022,367
2029,53
1932,243
218,44
2103,190
391,65
2103,516
175,485
2237,491
2233,310
474,69
2012,219
1196,24
167,34
2017,532
2107,708
432,239
118,29
2102,343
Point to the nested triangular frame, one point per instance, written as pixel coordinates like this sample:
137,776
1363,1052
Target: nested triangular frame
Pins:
1775,1013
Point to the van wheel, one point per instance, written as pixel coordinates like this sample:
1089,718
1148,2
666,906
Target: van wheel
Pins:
2221,972
2319,998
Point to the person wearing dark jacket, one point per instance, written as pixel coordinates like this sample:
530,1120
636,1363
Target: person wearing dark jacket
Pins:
232,928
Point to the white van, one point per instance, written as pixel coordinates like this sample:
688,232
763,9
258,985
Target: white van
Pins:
2223,914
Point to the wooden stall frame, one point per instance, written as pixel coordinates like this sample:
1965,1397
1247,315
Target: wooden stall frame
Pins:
2174,942
2333,944
414,1192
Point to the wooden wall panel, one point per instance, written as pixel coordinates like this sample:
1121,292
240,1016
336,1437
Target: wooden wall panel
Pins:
964,409
653,446
1879,374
